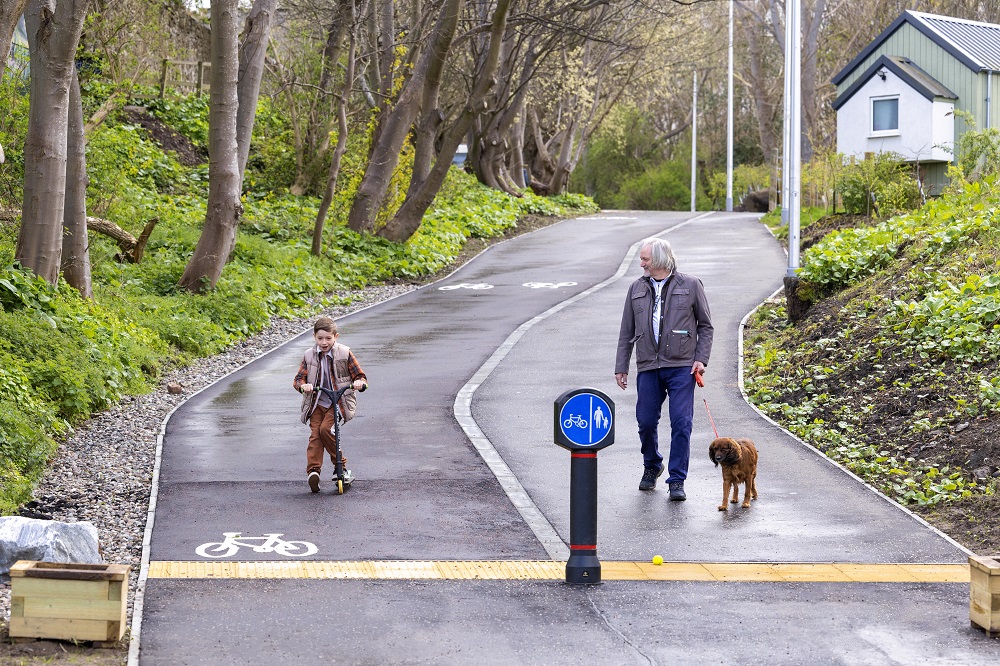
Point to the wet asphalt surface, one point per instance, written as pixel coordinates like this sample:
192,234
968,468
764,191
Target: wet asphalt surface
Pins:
234,461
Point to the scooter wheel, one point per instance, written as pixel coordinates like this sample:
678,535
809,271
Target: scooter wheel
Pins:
340,487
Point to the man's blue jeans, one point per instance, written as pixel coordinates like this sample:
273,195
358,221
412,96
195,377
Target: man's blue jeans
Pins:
655,386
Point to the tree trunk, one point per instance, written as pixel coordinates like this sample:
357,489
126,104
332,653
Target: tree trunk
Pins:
407,220
764,108
255,36
338,152
53,34
397,122
75,255
10,14
222,217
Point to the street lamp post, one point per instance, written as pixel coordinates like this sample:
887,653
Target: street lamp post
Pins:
694,143
791,169
729,120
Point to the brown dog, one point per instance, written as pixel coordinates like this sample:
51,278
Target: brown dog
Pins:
739,465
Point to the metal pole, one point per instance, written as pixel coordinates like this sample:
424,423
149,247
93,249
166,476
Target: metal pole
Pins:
694,144
729,120
786,113
583,566
793,67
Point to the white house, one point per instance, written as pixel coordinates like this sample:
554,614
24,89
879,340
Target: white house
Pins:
900,93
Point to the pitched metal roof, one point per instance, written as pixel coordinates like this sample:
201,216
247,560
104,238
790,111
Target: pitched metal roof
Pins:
905,69
973,43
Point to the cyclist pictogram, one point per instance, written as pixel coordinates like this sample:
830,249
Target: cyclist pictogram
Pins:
548,285
270,544
465,285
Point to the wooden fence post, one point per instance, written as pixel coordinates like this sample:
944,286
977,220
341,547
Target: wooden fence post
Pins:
163,78
201,75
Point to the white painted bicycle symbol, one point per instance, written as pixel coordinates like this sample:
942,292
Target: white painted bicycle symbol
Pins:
575,420
465,285
548,285
271,544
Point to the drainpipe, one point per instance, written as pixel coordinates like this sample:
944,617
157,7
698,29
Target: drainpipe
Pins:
989,97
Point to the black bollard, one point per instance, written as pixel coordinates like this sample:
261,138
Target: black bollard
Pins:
583,424
583,567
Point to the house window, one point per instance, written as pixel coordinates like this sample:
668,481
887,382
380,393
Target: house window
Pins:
885,115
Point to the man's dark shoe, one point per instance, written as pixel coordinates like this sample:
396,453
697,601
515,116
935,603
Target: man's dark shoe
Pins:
649,477
677,491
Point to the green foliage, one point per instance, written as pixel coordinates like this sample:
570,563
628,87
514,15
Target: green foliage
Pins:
185,115
666,186
911,329
13,130
807,217
978,153
63,359
624,146
960,322
879,185
121,158
845,257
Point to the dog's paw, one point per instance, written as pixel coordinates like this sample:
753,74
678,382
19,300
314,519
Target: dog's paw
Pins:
746,505
723,507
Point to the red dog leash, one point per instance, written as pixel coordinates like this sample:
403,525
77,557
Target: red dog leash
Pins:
700,382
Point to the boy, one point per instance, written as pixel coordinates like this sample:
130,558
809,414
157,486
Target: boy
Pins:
333,366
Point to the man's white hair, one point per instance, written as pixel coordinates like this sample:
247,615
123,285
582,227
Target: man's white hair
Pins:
661,255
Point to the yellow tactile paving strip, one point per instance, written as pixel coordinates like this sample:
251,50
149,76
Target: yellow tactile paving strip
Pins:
834,572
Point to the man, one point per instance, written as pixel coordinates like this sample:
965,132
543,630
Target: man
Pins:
666,319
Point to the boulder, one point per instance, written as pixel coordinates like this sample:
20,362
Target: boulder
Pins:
47,541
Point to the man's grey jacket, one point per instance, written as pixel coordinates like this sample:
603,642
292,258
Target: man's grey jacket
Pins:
685,328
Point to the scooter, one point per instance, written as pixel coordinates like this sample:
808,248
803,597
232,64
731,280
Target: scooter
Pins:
343,477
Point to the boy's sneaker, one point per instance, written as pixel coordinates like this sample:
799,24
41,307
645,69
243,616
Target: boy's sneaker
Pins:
677,491
649,477
314,481
348,477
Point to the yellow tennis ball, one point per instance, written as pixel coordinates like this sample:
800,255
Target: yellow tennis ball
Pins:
657,559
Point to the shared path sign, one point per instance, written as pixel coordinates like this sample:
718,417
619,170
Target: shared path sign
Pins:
584,420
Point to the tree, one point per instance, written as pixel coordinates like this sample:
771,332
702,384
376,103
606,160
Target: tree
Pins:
224,210
395,120
423,187
333,174
252,51
54,28
75,254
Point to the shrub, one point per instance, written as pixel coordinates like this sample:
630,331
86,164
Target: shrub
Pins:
879,185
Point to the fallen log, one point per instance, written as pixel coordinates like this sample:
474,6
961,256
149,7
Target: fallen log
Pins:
132,248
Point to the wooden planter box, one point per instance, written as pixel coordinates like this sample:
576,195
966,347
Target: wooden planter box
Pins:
73,602
984,593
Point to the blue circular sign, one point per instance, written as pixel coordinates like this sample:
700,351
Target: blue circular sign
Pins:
586,419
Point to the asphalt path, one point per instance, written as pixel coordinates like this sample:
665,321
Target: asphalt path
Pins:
233,460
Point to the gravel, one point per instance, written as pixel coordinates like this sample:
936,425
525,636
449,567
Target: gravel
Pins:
103,472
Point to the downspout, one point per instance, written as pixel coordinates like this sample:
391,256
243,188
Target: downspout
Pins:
989,97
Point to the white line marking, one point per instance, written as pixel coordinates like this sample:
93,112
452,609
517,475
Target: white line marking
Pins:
539,524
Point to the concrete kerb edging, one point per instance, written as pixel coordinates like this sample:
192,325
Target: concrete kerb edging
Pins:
137,601
533,516
813,449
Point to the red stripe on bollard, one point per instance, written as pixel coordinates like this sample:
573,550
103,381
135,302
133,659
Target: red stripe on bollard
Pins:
583,455
579,547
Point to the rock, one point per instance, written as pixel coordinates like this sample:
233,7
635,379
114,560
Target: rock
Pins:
981,474
174,388
961,426
47,541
